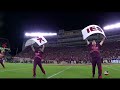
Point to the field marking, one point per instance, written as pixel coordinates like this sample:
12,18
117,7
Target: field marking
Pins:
14,69
58,72
113,68
20,72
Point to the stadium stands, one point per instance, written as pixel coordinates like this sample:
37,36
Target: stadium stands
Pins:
73,54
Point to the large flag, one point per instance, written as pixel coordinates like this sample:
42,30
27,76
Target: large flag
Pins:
39,40
92,29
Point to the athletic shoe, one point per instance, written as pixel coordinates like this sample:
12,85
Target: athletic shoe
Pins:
100,77
34,76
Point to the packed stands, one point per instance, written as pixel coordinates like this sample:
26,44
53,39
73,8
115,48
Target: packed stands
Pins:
76,55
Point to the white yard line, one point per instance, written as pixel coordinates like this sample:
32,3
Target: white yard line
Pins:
22,72
59,72
113,68
13,69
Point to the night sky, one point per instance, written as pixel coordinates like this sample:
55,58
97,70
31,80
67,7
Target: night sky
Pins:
17,23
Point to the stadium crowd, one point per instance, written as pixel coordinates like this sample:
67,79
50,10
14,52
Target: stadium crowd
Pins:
109,51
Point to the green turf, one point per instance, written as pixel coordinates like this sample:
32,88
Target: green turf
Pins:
13,70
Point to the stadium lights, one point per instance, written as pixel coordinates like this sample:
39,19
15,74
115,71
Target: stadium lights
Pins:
113,26
40,34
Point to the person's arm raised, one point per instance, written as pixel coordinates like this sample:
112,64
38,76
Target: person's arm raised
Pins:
102,41
87,42
43,47
33,48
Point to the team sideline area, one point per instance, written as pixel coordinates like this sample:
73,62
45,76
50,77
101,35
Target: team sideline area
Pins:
24,70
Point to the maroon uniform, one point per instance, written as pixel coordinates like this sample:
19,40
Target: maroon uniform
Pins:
37,61
1,59
96,58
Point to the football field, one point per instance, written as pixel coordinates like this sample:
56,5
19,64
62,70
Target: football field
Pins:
20,70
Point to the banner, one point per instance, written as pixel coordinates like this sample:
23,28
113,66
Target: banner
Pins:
39,40
92,29
115,61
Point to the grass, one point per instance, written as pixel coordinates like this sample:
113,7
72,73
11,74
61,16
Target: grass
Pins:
18,70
